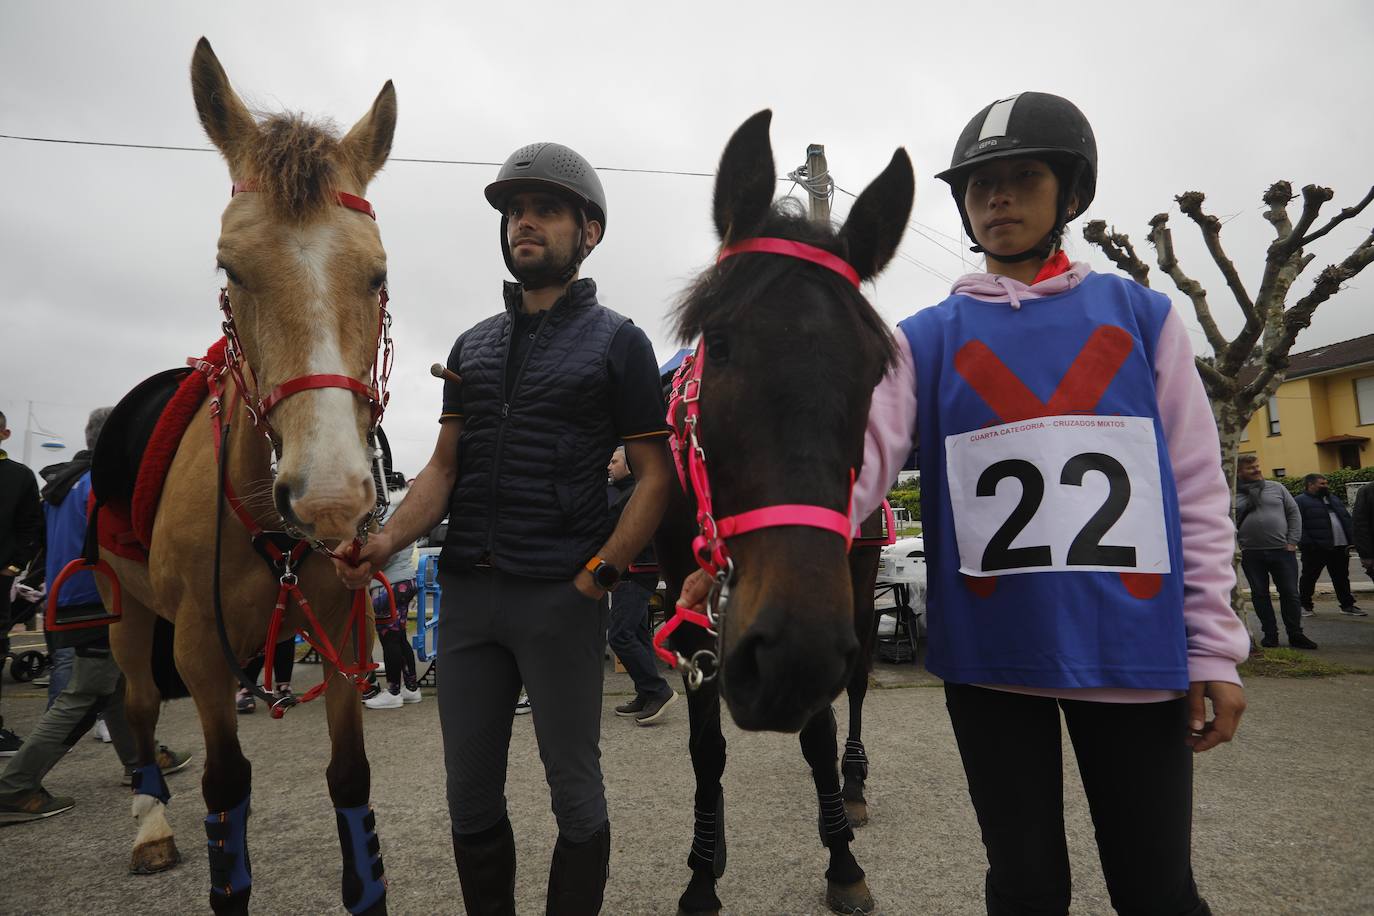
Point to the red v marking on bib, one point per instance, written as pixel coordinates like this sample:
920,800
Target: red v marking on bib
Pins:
1083,384
1078,391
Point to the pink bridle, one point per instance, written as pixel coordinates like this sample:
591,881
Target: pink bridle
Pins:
710,545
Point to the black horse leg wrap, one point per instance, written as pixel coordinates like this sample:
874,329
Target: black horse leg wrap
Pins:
834,823
708,839
854,764
226,834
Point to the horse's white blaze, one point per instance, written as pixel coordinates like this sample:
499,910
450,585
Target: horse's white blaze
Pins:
330,461
152,820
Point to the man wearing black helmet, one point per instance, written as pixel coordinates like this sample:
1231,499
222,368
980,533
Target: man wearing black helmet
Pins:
549,387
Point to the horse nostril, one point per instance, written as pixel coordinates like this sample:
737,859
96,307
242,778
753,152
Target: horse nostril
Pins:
281,497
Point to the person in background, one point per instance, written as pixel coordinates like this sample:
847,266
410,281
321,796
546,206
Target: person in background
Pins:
1327,533
1269,526
21,535
397,654
283,664
96,684
628,632
1362,516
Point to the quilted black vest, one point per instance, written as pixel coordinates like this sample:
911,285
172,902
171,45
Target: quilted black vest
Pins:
531,492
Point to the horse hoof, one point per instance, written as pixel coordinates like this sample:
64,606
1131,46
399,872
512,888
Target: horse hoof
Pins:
154,856
850,898
857,812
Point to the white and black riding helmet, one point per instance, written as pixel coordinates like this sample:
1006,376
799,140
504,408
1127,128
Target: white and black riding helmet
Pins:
555,168
1036,125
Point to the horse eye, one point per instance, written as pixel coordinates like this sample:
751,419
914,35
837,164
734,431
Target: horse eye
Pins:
717,347
230,275
378,282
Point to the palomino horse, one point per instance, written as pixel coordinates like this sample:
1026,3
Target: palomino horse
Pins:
775,404
306,279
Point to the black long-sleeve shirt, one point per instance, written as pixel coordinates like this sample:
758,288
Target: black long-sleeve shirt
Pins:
21,514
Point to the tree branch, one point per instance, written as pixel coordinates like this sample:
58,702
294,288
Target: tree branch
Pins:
1328,284
1339,218
1191,205
1279,274
1118,248
1163,240
1217,385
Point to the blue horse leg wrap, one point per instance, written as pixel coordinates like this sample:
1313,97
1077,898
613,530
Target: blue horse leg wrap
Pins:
226,835
147,780
363,881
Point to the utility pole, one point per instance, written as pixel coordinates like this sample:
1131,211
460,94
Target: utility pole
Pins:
818,183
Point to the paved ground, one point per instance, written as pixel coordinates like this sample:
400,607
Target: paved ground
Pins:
1283,820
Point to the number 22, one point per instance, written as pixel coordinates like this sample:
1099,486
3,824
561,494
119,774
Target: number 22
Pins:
1087,548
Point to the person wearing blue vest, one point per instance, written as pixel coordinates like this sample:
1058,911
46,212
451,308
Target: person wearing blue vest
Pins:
1077,531
537,398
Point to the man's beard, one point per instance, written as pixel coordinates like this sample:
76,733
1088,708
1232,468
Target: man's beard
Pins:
549,269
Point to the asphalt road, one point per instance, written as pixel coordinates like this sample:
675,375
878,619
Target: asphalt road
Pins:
1284,819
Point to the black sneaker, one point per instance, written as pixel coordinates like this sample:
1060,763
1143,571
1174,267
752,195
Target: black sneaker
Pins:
654,708
245,702
522,705
34,806
1353,611
1301,642
632,708
9,743
283,697
1271,641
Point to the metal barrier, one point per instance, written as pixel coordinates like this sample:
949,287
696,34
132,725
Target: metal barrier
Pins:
426,638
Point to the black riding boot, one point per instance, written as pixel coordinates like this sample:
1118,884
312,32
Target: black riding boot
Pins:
486,869
577,876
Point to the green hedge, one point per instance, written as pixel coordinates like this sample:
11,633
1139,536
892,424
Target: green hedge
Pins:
907,494
1337,480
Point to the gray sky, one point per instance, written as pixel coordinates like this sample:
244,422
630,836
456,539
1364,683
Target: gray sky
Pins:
107,255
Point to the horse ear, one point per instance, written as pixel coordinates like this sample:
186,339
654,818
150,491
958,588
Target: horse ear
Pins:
369,142
226,121
879,217
745,181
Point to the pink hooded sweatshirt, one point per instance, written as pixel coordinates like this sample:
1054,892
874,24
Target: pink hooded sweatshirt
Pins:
1217,640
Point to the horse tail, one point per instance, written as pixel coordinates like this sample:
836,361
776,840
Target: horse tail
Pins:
165,674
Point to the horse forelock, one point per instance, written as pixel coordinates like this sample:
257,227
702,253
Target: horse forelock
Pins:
295,164
721,297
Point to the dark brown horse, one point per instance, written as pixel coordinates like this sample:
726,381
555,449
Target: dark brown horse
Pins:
305,278
793,352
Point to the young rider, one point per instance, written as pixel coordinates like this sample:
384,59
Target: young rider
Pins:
1077,533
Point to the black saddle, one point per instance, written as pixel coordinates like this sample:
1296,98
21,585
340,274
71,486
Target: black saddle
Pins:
125,436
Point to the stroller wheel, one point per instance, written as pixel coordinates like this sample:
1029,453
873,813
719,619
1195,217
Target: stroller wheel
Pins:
28,665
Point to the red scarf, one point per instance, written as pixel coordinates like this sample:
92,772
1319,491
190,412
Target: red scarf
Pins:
1057,264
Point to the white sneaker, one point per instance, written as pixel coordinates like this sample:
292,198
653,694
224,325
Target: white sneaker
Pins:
411,696
384,700
522,705
101,731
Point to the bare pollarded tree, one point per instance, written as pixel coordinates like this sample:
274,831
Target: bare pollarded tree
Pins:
1271,325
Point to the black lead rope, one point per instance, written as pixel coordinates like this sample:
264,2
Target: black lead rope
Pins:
248,683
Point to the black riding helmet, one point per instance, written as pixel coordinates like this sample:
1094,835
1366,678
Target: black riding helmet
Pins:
550,167
1029,124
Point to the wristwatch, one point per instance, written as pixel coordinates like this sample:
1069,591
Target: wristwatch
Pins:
604,574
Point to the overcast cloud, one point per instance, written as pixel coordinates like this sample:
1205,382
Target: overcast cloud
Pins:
107,255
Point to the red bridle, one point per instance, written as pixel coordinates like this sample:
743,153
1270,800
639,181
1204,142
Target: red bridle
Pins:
259,407
710,545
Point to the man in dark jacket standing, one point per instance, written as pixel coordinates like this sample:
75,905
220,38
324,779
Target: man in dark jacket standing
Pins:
629,628
21,534
548,387
1327,533
1363,515
1269,527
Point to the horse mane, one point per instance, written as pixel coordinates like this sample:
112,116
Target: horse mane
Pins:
722,292
294,163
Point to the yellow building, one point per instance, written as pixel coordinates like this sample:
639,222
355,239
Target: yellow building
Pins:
1322,416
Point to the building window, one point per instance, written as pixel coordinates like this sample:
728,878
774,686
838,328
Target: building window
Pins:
1280,472
1364,399
1273,416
